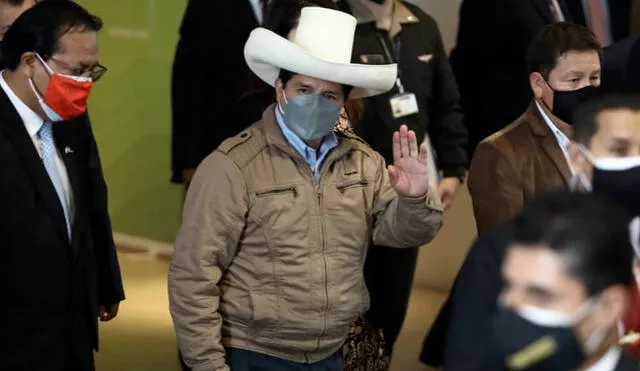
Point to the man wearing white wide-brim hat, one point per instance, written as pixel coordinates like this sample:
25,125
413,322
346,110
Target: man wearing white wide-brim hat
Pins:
267,271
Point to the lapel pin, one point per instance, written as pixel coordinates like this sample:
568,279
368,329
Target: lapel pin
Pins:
631,338
68,150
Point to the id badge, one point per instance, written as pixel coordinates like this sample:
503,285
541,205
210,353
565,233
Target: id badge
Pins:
404,105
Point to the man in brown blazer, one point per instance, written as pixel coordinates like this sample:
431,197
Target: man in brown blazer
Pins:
528,157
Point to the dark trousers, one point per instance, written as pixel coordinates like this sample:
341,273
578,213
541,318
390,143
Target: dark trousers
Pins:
388,273
244,360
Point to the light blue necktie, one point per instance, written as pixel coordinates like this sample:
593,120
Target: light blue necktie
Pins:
48,148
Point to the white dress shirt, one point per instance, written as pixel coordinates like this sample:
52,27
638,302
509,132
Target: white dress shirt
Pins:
256,5
609,362
32,123
561,138
557,10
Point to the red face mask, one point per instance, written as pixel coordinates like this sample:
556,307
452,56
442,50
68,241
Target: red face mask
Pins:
65,97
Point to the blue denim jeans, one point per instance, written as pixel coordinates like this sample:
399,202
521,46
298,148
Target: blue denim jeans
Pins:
245,360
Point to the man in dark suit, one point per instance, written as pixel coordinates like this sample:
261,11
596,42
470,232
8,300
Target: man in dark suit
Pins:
58,259
620,64
608,127
489,58
567,282
210,51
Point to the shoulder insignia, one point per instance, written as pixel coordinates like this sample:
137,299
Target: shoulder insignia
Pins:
242,148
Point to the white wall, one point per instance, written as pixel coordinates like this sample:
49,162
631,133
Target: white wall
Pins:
445,13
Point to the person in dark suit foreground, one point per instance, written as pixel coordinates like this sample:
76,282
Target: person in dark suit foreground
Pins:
607,133
567,280
58,261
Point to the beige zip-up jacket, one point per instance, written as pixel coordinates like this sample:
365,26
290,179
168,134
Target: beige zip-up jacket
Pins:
270,260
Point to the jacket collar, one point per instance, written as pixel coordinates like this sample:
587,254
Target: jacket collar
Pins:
547,140
276,139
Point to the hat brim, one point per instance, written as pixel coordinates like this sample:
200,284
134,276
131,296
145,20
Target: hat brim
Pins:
266,53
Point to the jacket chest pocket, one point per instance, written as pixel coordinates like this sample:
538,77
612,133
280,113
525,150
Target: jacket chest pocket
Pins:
281,212
348,215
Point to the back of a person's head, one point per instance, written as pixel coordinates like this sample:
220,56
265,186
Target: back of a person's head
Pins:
556,40
587,230
585,117
40,28
282,15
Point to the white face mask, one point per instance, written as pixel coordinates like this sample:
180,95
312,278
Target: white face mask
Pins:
548,318
616,178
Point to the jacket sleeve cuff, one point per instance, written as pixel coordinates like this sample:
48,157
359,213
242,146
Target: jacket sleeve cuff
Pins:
430,199
454,172
218,365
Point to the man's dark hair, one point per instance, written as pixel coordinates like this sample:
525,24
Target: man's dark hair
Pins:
555,40
40,28
585,117
285,76
588,231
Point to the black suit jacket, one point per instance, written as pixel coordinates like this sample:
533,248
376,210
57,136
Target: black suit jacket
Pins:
619,16
467,314
627,364
621,61
209,76
52,286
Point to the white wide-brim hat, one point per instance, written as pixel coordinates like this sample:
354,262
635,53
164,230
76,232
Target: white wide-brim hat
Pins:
322,49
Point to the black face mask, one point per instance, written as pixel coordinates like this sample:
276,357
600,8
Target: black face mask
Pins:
620,183
565,102
524,345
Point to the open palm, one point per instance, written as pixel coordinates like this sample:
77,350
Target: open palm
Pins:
409,175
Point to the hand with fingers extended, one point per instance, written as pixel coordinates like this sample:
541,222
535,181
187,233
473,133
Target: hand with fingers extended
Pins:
409,175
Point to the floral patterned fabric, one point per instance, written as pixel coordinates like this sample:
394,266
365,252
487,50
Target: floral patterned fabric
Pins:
364,348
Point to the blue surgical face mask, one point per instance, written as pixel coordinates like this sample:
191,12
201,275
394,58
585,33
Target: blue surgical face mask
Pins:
310,116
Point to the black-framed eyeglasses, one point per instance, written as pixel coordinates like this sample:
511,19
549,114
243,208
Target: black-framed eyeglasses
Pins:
95,73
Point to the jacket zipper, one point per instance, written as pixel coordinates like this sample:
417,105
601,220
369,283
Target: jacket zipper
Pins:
278,191
324,260
318,189
356,183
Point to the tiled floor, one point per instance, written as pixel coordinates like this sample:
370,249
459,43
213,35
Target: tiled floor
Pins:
142,336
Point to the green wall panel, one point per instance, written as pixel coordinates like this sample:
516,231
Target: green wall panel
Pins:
131,113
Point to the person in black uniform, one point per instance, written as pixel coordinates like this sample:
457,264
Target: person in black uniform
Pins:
426,99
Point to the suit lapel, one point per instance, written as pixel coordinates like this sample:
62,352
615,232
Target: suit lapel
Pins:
543,8
11,122
548,142
246,14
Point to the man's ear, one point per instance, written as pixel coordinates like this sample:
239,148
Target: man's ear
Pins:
279,87
614,303
28,61
536,81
